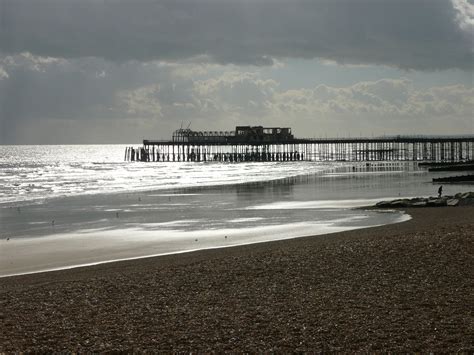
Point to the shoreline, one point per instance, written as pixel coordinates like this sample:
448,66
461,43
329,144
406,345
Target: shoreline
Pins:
397,287
17,257
113,239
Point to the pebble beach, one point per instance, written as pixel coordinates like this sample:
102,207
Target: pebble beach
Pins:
399,287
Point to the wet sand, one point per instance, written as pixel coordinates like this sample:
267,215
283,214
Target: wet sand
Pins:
399,287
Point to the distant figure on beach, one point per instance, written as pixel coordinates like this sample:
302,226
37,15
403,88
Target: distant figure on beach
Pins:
440,191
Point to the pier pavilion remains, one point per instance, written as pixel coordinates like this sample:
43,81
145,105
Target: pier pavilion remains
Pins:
257,143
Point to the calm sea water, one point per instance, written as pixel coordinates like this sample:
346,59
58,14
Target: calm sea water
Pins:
65,195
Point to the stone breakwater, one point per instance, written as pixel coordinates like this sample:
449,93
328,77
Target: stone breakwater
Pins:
460,199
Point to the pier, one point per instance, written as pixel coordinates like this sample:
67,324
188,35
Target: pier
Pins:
257,143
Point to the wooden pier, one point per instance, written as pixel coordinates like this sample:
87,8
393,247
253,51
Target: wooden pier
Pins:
261,144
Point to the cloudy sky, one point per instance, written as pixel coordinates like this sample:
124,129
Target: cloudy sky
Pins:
118,71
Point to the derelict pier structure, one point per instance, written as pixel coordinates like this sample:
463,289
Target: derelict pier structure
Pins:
257,143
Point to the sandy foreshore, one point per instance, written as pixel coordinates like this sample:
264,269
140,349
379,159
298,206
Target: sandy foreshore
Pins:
399,287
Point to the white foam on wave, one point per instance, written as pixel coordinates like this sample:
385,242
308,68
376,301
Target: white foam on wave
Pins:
243,220
317,204
178,223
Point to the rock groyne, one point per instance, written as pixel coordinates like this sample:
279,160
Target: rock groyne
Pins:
460,199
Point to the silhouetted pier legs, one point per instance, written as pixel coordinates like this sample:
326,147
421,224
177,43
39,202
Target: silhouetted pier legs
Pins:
358,150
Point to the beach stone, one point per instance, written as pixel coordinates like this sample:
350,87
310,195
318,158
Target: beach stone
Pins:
400,203
466,202
452,202
439,202
418,204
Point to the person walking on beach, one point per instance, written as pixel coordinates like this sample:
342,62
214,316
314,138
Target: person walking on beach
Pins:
440,191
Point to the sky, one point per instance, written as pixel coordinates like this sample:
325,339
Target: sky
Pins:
119,71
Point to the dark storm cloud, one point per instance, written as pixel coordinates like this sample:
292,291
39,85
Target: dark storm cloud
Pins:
66,89
34,89
409,34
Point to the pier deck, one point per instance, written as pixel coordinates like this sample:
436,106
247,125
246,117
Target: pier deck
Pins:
278,144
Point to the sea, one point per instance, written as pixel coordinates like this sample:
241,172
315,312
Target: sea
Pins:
64,206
